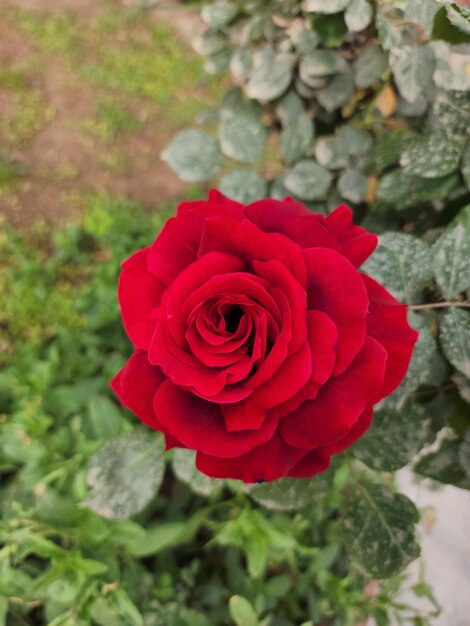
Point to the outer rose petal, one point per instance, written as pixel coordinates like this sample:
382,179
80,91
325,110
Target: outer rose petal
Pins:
200,425
312,463
275,216
357,244
359,428
136,385
339,403
139,294
269,461
337,289
387,323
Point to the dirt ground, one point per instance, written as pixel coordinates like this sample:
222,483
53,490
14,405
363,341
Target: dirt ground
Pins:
89,97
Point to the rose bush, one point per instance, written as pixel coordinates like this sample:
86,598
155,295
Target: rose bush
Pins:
258,343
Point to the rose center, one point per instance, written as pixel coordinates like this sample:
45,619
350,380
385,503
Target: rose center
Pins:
232,318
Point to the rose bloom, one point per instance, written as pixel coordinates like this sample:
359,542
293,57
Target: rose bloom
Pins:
258,343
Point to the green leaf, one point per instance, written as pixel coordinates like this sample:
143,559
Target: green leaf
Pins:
352,185
432,155
451,261
241,612
271,79
244,186
331,28
380,533
290,494
332,152
296,138
459,16
423,12
402,263
386,150
320,6
400,190
194,156
412,68
421,364
455,338
394,438
319,64
444,29
389,31
338,91
184,467
105,418
125,474
452,110
308,180
444,465
466,164
3,610
304,39
357,142
167,535
369,66
464,454
358,15
451,67
241,64
242,137
219,13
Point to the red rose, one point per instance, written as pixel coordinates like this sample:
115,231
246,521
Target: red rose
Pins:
257,341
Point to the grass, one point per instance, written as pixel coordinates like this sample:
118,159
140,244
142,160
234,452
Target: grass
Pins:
11,172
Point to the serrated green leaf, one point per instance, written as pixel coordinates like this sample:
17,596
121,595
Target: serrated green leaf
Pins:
459,16
380,529
421,364
402,263
320,6
400,190
242,137
386,150
338,91
194,156
241,612
296,138
184,466
352,185
308,180
451,261
444,465
358,15
395,437
125,474
319,64
219,13
369,66
412,68
290,494
432,155
455,338
270,80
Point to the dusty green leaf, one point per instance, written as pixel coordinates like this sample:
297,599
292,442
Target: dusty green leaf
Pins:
125,474
332,152
423,12
184,466
452,110
412,68
395,437
432,155
194,156
319,64
352,185
370,66
290,494
459,16
320,6
338,91
466,164
358,15
387,149
242,137
444,465
451,261
402,263
296,138
219,13
270,80
400,190
308,180
380,531
455,338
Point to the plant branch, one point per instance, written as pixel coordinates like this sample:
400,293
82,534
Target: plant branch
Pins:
439,305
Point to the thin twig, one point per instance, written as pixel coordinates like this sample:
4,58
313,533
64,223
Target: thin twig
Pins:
439,305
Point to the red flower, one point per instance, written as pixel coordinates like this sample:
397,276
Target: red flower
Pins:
257,341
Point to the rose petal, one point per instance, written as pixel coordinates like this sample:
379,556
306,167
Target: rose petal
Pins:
322,338
311,464
357,244
139,294
358,429
200,425
328,417
267,462
387,323
136,385
337,289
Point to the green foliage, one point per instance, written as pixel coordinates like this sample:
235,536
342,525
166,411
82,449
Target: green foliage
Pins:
75,466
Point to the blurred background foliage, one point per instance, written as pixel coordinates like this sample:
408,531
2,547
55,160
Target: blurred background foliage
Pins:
363,102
